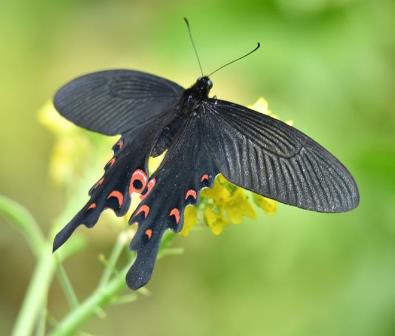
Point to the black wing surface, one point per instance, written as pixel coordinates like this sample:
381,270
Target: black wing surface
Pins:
116,101
271,158
185,170
125,173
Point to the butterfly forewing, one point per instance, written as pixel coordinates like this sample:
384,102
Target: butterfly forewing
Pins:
116,101
273,159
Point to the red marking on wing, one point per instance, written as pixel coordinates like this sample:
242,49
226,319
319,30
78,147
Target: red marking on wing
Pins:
176,213
117,195
204,178
192,193
98,183
148,233
138,175
144,208
92,206
110,163
150,185
120,143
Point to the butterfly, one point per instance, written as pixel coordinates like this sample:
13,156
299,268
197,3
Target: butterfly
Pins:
203,136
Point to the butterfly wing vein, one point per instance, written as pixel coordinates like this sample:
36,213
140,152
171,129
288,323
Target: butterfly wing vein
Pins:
271,158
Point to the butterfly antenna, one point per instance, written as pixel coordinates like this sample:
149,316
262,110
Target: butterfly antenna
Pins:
193,44
237,59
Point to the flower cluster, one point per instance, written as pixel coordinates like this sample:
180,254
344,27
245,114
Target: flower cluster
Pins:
72,153
224,204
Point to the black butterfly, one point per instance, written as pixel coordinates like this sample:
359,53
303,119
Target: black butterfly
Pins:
204,137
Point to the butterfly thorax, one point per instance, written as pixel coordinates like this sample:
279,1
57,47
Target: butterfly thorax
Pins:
201,88
188,105
193,97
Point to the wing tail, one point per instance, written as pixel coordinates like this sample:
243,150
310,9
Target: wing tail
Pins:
125,173
185,170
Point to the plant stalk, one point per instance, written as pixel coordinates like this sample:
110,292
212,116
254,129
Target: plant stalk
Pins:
101,296
36,294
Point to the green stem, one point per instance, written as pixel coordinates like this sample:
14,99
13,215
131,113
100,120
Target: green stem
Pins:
112,260
107,292
42,321
38,288
66,285
36,294
100,297
24,221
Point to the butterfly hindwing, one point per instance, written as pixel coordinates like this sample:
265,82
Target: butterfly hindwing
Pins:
273,159
116,101
185,170
126,172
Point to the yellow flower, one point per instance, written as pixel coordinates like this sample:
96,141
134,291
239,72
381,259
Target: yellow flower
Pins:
239,207
215,221
70,149
52,120
221,205
219,194
190,219
66,158
262,106
268,205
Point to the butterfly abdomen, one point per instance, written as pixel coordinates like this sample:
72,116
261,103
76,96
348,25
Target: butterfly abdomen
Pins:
168,134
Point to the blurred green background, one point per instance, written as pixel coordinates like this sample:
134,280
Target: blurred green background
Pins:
329,65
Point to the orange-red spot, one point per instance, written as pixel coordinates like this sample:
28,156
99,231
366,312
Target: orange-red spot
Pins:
120,143
148,233
138,175
117,195
92,206
110,163
99,183
192,193
150,185
145,209
176,213
204,178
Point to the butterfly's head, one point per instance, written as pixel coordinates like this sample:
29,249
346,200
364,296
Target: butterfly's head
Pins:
202,87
